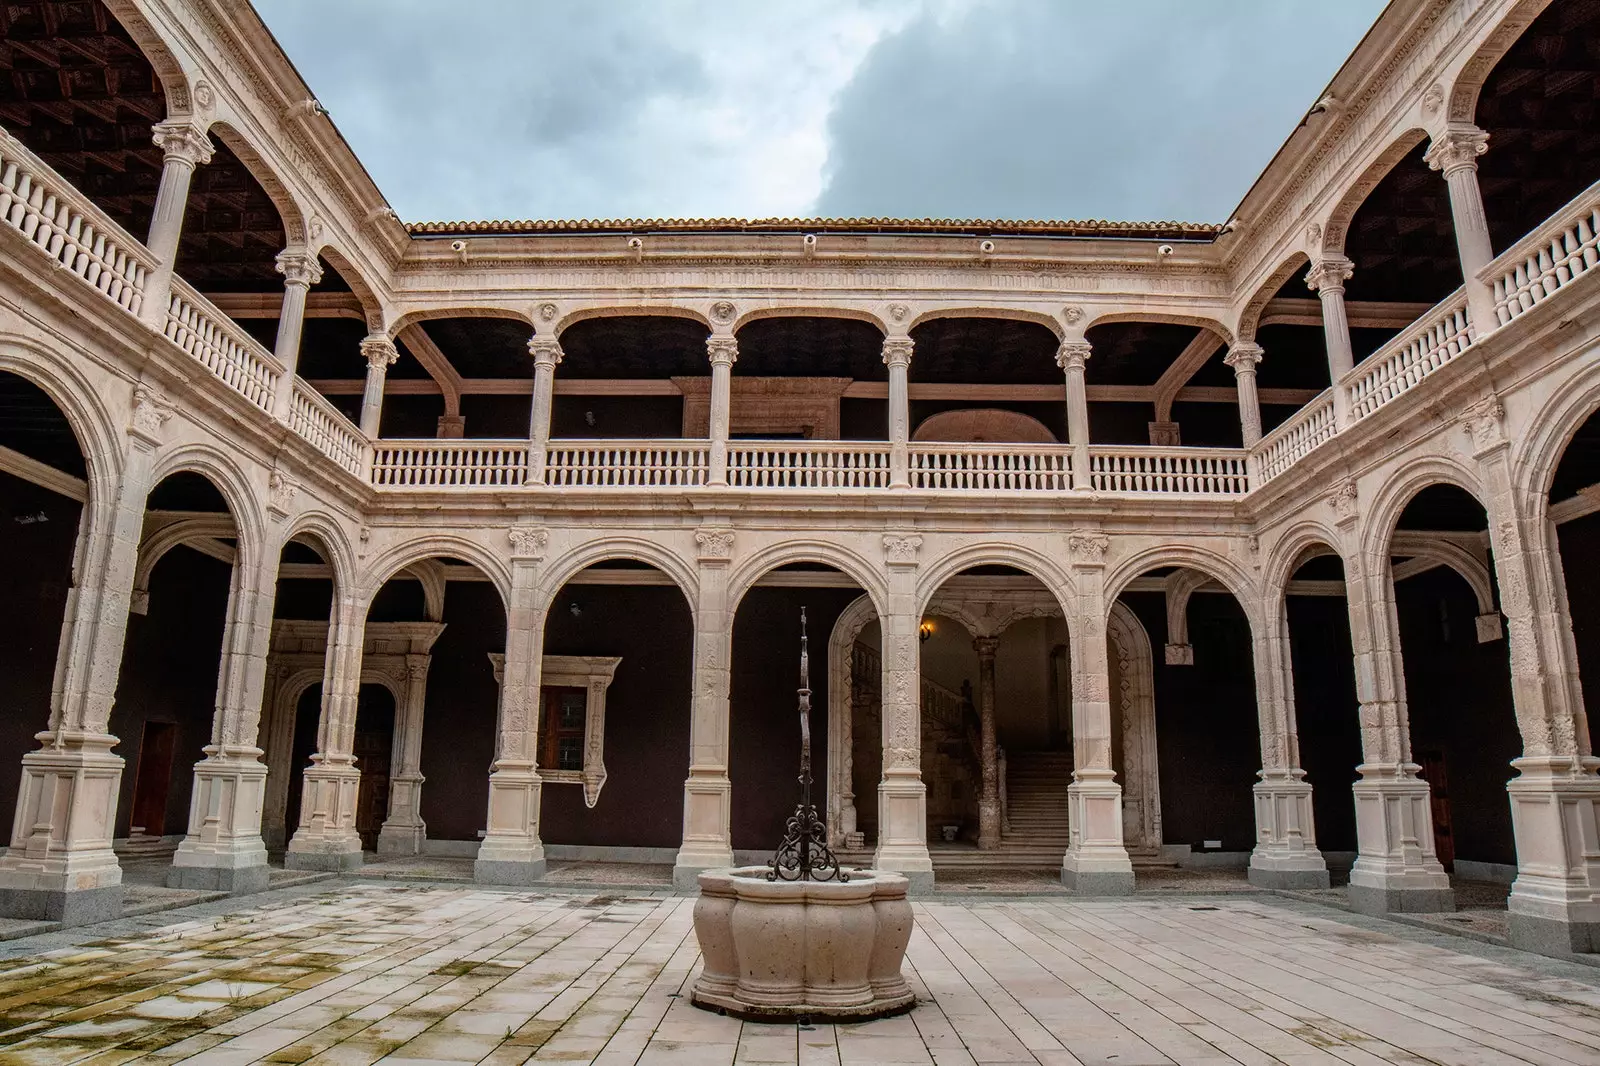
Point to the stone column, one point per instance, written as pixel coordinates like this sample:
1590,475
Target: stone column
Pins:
1555,797
1396,867
1456,152
380,353
902,797
326,838
897,357
1286,854
1096,862
403,829
60,866
223,850
724,352
300,270
708,793
1071,357
546,352
511,853
1243,357
1326,278
184,146
989,759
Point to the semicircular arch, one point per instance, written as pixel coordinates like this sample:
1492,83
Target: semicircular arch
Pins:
556,573
397,558
852,564
1402,486
1214,565
220,469
1008,314
994,553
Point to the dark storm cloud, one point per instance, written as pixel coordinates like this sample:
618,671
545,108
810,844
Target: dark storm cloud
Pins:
1137,109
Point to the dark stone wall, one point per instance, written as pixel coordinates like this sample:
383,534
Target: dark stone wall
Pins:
1580,550
458,724
1327,713
1459,695
764,724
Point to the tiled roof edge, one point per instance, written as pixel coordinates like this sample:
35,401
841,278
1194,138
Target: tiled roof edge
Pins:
969,227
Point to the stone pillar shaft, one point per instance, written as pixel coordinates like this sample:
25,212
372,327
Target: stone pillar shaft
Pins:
897,357
380,354
724,352
989,756
1244,357
184,146
404,831
902,796
300,271
1455,152
326,838
1071,357
547,355
1327,279
708,792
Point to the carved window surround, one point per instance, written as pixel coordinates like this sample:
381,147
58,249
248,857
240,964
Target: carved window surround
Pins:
593,674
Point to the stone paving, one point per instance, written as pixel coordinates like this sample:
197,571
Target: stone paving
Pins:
357,972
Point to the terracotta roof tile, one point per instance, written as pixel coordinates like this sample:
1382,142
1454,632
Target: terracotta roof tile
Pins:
1172,231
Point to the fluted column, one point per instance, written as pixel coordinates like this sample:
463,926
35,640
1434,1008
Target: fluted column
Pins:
988,754
1326,279
380,354
724,352
547,355
184,146
300,270
1243,357
1456,152
897,357
1071,357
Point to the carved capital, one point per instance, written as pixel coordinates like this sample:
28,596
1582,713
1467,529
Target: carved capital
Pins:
1344,500
897,351
151,411
1457,148
724,351
900,549
379,351
546,351
1330,274
1485,425
528,543
299,267
1244,357
182,141
281,491
716,545
1072,355
1087,548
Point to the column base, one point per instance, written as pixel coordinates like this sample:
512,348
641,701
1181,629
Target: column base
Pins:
690,864
1289,878
1396,870
903,828
707,814
327,861
1285,855
82,907
511,853
1402,899
1096,862
509,871
223,851
401,839
1553,936
237,881
327,841
1555,814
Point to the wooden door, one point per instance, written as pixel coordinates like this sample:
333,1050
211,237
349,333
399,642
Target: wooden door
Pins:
152,778
372,751
566,713
1444,842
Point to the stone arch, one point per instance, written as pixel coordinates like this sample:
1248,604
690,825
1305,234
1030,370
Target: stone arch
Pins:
1011,314
289,211
174,80
849,562
429,314
1337,225
1136,699
1109,318
371,306
1250,314
332,535
809,311
1544,442
217,467
841,682
1290,552
995,553
1218,567
641,310
400,556
557,573
99,438
1384,515
1469,81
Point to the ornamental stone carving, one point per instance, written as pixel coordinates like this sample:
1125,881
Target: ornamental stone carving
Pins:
1072,355
1457,148
528,543
1087,548
724,351
900,549
1330,274
897,351
151,411
547,312
723,311
183,141
716,545
281,491
1485,425
299,267
898,312
1243,356
1433,99
546,351
379,352
1073,315
1343,501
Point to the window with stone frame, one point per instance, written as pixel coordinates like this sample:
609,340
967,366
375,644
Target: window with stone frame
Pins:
566,716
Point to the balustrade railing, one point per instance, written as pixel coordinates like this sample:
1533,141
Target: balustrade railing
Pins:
326,427
1417,351
808,464
1552,256
64,224
449,463
1297,436
613,463
220,346
991,467
1169,471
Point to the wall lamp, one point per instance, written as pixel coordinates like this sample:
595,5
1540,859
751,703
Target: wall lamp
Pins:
925,630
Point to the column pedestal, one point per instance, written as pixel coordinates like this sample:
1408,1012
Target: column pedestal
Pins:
1555,815
1396,870
60,866
903,827
1285,854
223,851
327,837
511,853
404,830
707,813
1096,862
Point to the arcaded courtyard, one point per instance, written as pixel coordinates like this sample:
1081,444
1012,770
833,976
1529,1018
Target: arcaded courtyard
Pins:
369,970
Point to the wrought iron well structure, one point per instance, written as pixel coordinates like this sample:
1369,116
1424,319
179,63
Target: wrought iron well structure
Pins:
804,854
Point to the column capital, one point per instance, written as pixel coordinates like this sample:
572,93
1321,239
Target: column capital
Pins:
1073,354
723,350
299,267
897,351
546,351
379,351
1243,356
985,646
1457,148
1329,274
182,141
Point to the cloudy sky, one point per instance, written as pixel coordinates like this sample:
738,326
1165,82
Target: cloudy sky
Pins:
1133,109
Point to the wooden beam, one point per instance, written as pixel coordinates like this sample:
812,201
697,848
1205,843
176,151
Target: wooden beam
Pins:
270,304
1363,314
1198,352
1586,502
43,475
434,361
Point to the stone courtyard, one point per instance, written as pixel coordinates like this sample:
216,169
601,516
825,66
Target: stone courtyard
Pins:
362,971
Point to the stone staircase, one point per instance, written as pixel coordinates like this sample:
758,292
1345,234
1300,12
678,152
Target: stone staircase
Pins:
1036,787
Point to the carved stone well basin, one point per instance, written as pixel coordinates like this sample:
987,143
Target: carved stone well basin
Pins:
783,949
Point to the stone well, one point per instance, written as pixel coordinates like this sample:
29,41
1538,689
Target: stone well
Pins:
784,949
